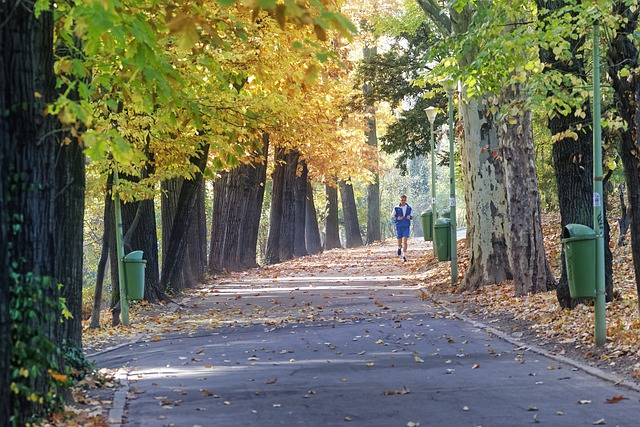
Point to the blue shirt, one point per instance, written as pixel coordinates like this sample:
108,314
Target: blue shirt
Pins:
398,212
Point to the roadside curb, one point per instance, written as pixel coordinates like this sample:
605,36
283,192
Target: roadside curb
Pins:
595,372
116,413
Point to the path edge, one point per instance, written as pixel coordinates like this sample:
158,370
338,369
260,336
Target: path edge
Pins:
596,372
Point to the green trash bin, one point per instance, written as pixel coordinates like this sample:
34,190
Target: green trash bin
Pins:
579,245
442,239
134,267
427,225
446,213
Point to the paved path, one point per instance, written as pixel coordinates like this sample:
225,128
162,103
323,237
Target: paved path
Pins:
347,342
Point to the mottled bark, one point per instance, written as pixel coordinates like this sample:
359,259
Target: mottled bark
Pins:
486,197
527,257
483,178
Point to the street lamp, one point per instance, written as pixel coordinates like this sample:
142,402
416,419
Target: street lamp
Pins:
432,112
450,87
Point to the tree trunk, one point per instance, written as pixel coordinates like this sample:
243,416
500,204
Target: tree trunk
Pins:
5,305
238,199
239,194
486,197
572,159
527,256
218,223
169,205
275,214
27,210
331,227
483,177
350,214
197,246
102,264
254,194
622,53
373,190
177,247
624,221
69,204
288,218
312,232
300,212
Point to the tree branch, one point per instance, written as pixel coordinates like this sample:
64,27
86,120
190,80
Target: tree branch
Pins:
432,10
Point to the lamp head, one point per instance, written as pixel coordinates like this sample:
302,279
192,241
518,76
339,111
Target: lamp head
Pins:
432,112
449,86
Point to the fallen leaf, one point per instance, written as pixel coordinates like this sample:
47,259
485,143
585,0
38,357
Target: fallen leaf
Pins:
616,399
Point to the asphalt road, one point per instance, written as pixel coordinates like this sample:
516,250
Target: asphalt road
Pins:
351,347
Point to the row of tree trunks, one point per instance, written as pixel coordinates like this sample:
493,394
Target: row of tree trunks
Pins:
237,207
623,53
176,249
27,195
331,226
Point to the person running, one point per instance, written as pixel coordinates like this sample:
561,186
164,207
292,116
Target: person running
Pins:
401,216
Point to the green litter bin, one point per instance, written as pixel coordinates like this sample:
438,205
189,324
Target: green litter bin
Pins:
134,267
579,244
427,225
442,239
446,213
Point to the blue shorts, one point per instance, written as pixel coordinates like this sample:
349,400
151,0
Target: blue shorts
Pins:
402,232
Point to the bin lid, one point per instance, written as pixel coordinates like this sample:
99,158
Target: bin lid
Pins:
134,255
578,230
442,222
427,212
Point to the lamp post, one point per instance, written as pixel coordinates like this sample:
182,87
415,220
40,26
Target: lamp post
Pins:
124,301
431,115
598,222
450,87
